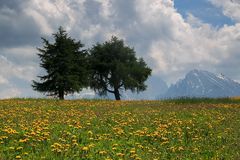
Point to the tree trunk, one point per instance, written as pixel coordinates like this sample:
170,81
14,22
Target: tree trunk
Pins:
117,94
61,94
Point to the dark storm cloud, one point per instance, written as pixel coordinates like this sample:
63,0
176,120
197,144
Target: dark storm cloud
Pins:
12,4
16,28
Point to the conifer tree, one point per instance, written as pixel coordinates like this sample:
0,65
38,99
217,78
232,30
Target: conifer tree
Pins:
65,64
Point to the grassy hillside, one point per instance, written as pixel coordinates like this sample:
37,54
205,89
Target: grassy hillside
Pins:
92,129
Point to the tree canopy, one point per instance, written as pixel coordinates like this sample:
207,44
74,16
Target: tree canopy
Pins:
114,67
65,63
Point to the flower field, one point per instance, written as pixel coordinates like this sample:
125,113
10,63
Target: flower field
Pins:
131,130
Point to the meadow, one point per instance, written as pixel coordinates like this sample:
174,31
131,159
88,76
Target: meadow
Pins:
132,130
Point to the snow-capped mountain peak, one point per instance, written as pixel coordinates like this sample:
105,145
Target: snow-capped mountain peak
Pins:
200,83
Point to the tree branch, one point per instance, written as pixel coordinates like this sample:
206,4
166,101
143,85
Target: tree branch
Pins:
120,85
109,90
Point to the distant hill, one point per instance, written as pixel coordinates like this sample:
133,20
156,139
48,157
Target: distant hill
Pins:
199,83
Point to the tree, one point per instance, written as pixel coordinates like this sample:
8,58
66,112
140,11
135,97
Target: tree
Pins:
114,67
65,65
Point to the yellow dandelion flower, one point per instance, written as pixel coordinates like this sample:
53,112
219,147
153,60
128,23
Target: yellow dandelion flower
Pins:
25,153
133,151
120,154
90,133
23,140
85,148
75,144
140,146
91,145
11,148
19,148
74,136
102,152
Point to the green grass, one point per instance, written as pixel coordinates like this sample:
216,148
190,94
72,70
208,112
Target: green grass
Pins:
204,100
99,129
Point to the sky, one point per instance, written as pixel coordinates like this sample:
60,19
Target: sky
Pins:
173,37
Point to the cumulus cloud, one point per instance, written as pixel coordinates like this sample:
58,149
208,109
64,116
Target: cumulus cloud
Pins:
188,43
9,92
3,80
15,79
171,45
231,8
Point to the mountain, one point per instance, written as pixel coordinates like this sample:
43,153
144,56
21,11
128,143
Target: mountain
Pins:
199,83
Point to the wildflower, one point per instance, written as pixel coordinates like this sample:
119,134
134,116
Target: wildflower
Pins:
133,151
85,148
90,133
163,143
140,146
102,152
91,145
11,148
180,148
19,148
120,154
75,144
195,149
23,140
74,136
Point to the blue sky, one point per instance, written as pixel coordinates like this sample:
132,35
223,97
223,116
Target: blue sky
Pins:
203,10
173,37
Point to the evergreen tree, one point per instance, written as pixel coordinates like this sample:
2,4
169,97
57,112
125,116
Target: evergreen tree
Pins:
65,65
114,67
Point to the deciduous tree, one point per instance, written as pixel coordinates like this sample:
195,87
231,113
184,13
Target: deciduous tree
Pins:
114,67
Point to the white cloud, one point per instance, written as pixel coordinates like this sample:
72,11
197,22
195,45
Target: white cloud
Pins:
3,80
19,63
185,44
10,92
171,44
40,20
51,14
15,79
22,52
106,10
231,8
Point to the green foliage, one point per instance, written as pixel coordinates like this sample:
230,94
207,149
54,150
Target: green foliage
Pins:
65,65
114,66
